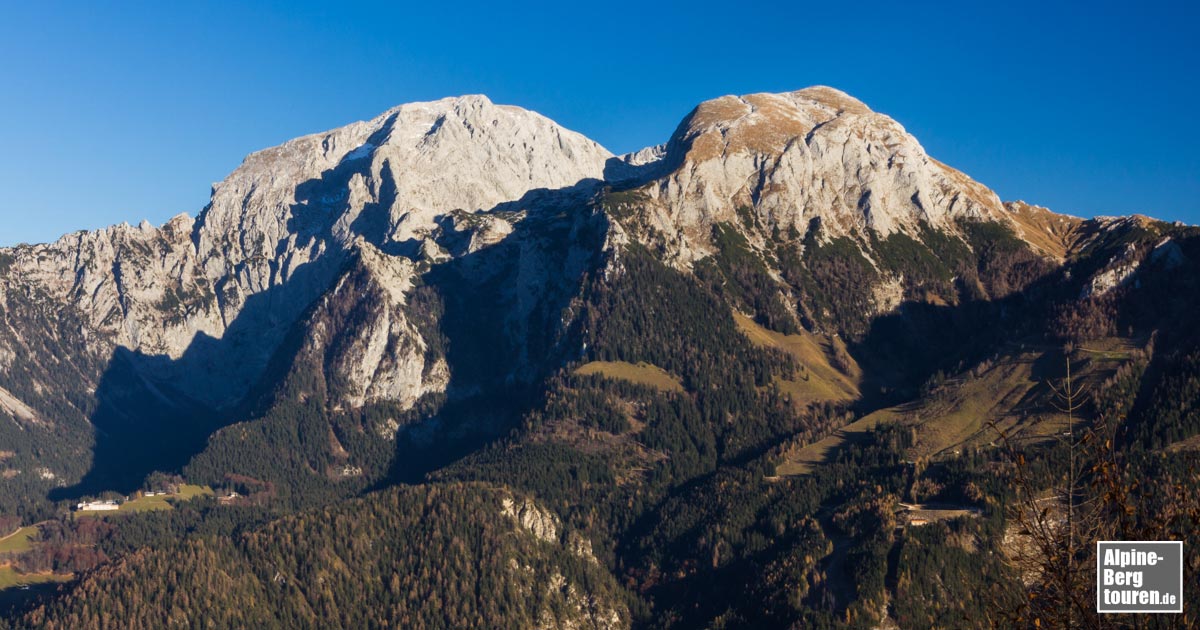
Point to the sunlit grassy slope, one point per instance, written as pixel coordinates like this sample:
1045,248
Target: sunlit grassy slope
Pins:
1011,394
20,540
9,578
160,502
642,373
819,380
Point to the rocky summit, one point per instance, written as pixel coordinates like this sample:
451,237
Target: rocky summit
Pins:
813,155
279,227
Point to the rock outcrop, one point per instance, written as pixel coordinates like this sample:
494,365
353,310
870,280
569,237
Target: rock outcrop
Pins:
812,155
538,521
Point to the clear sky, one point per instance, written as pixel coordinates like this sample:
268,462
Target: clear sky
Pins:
111,114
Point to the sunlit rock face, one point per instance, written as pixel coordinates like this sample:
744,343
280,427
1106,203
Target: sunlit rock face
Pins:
219,292
794,158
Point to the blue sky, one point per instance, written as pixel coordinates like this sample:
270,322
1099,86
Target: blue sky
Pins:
113,114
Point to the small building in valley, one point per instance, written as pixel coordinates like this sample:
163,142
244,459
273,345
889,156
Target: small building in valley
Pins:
97,506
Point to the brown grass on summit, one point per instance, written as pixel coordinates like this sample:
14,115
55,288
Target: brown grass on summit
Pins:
1055,234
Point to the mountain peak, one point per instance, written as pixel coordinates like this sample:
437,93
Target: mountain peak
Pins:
474,100
279,228
768,122
404,167
832,98
815,153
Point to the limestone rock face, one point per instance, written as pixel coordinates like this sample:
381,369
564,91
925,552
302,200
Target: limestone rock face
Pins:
538,521
141,285
360,337
277,231
1119,271
792,158
403,168
1128,264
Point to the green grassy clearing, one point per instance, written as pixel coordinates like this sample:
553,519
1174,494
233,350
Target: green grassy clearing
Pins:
186,492
20,540
819,380
9,578
641,373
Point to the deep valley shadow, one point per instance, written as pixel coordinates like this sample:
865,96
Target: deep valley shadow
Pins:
507,321
148,414
145,421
